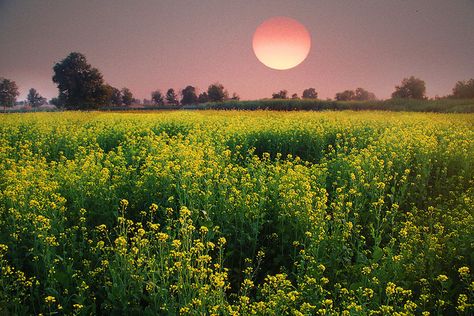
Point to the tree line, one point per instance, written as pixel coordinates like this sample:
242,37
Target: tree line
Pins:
82,86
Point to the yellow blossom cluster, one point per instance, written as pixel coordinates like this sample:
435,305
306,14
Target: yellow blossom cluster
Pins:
236,213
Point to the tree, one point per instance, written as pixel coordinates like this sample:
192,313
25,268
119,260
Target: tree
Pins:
80,85
115,96
464,89
189,95
294,96
127,96
8,93
35,99
203,98
157,97
216,92
282,94
346,95
171,97
361,94
310,93
58,102
411,88
235,97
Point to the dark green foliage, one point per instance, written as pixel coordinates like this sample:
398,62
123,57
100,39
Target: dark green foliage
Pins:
35,99
282,94
235,97
411,88
363,95
216,93
203,97
80,85
346,95
115,96
189,95
171,97
127,96
157,97
464,89
310,93
359,94
8,93
442,105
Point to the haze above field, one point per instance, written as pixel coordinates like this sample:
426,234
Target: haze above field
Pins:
148,45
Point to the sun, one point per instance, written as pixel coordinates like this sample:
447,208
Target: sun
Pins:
281,43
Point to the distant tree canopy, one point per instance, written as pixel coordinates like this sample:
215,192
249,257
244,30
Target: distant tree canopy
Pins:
294,96
282,94
310,93
171,97
115,96
346,95
8,93
157,97
35,99
359,94
203,97
363,95
235,97
189,95
464,89
410,88
216,92
80,85
127,96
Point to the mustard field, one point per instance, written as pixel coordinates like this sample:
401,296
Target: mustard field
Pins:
236,213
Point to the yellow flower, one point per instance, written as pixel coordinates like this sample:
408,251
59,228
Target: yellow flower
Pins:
222,241
123,203
153,208
321,267
162,237
102,228
248,283
442,278
51,240
120,242
77,306
327,302
463,271
366,270
204,230
49,299
390,289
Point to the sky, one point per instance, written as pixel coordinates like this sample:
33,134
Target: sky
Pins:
159,44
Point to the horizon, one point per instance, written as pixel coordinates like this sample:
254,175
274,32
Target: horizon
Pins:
149,45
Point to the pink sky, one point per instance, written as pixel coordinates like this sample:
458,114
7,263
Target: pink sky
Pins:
148,45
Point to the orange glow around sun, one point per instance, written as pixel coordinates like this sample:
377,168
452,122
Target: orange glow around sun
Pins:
281,43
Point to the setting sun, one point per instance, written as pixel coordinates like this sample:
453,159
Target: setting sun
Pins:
281,43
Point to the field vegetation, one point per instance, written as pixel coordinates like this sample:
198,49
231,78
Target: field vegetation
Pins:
444,105
237,213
